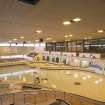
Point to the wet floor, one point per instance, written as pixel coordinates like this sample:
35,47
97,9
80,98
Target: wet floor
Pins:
7,69
78,82
82,83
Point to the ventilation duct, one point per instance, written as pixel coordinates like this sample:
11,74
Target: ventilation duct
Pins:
32,2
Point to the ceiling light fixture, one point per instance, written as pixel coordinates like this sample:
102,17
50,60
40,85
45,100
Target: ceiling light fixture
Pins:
77,19
70,35
48,39
100,31
36,40
53,41
21,37
68,40
14,39
38,31
66,36
66,23
85,38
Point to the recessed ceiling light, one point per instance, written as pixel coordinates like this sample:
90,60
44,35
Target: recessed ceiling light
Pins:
100,31
48,39
14,39
53,41
70,35
21,37
66,36
77,19
85,38
68,40
38,31
36,40
66,23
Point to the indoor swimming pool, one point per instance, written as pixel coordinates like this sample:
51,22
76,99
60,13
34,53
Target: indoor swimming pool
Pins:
90,85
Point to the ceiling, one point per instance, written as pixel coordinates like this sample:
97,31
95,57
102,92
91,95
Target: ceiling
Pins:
20,19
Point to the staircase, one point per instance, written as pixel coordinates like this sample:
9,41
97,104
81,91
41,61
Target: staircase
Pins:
59,102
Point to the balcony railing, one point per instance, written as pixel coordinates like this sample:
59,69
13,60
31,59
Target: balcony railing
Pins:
45,97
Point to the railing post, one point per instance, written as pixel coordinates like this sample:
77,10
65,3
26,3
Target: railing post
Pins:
46,97
35,99
64,96
55,94
24,98
1,100
13,98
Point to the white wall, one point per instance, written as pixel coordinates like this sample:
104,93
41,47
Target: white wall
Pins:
6,49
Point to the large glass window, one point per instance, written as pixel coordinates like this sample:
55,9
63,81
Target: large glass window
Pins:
89,45
49,46
79,46
60,46
102,45
69,46
73,44
95,45
86,45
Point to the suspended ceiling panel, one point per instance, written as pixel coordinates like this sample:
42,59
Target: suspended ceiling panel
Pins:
20,19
